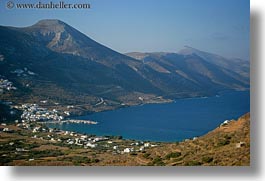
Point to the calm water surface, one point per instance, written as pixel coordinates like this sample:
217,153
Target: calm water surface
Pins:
185,118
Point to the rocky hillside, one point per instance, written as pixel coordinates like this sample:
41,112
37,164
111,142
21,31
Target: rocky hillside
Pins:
53,61
227,145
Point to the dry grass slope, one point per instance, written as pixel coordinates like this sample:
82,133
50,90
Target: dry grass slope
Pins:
227,145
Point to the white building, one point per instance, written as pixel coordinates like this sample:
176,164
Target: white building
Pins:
91,145
127,150
141,148
147,145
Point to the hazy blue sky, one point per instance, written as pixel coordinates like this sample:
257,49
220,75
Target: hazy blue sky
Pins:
217,26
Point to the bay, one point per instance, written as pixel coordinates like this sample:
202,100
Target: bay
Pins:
169,122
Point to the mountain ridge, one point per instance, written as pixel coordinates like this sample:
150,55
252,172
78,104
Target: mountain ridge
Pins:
61,37
71,68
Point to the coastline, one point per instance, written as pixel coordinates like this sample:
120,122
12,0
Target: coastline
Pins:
56,147
74,117
104,116
166,101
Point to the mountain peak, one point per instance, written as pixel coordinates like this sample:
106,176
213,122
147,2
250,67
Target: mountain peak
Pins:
63,38
187,50
51,25
55,34
189,47
49,22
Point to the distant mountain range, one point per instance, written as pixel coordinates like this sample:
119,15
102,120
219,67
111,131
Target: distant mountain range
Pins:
52,60
205,71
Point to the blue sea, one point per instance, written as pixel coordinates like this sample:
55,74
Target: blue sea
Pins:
169,122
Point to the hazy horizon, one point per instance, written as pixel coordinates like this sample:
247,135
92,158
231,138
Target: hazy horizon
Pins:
216,26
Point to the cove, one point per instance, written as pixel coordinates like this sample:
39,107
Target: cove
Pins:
169,122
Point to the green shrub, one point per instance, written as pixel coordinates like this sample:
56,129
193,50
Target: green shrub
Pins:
133,154
146,155
95,160
45,153
4,161
172,155
223,142
193,163
227,137
207,159
158,161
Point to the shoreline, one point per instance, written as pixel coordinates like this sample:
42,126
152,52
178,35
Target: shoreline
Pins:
77,120
71,121
148,139
218,94
41,146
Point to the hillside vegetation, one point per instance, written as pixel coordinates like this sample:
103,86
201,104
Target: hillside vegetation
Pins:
227,145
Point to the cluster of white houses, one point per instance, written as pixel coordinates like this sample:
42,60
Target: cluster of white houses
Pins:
82,140
32,113
6,85
23,72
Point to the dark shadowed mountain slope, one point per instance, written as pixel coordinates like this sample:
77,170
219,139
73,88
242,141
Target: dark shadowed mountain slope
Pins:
64,77
62,38
191,70
52,60
242,67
